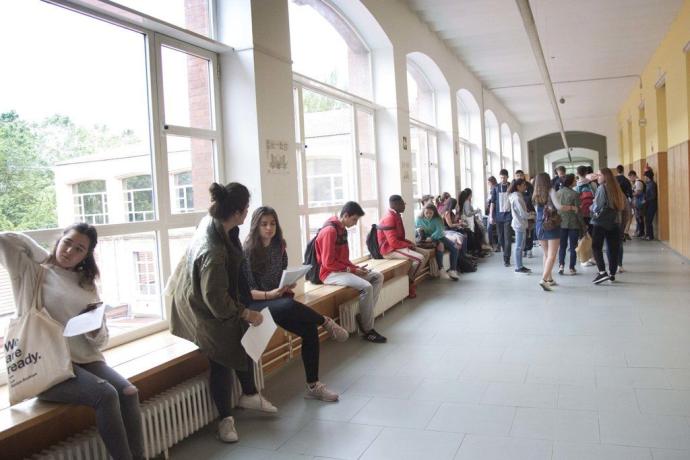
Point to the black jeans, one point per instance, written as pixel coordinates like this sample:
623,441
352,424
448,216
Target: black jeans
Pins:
220,385
302,321
568,238
649,218
613,242
505,239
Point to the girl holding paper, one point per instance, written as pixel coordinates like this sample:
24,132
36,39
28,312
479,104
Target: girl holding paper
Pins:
206,303
265,260
68,284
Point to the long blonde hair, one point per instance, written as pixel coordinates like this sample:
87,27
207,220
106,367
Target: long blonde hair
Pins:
542,187
613,190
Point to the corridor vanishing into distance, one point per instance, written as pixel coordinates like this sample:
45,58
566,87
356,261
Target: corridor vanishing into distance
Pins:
492,367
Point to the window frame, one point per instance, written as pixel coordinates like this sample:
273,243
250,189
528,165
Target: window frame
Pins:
78,199
165,220
425,166
356,103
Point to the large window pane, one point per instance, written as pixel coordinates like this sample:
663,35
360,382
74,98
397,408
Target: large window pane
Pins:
130,281
187,89
325,48
90,123
329,155
191,164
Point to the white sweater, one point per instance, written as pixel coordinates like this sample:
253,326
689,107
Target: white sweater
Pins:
63,298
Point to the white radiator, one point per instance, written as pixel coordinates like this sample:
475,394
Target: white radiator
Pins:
167,419
392,292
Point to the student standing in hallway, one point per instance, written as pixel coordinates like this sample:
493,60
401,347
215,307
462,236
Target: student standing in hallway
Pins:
500,204
527,196
519,221
650,203
606,220
572,224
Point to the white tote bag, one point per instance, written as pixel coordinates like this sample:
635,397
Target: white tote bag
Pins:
36,353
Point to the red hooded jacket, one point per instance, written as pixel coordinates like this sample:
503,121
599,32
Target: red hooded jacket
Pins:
390,240
332,251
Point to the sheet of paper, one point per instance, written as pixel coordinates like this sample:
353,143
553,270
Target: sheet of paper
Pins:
292,274
256,338
86,322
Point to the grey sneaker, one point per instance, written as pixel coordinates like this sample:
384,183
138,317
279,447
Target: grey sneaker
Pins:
227,431
337,333
452,274
320,392
545,285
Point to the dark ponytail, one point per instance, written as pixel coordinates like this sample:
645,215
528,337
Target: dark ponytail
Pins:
228,200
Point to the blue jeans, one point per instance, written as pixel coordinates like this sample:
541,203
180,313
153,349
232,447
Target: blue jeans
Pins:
453,254
568,240
520,236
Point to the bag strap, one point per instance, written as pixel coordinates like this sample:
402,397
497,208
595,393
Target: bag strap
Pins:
37,302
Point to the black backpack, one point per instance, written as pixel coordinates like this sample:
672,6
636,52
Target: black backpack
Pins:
310,258
373,241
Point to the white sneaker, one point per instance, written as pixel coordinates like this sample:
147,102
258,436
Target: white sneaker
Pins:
337,333
620,269
320,392
257,402
589,263
452,274
227,431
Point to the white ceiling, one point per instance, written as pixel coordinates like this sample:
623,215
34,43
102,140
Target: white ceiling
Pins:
581,39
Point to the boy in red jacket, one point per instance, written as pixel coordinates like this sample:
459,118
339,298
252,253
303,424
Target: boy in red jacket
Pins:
392,242
333,254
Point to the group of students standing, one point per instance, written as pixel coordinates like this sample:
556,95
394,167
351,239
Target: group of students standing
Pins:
559,212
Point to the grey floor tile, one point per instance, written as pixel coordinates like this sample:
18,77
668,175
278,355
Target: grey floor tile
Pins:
583,451
556,424
476,447
666,454
632,377
593,398
402,413
664,402
449,390
669,432
341,411
474,419
561,374
406,444
521,394
384,386
332,439
494,372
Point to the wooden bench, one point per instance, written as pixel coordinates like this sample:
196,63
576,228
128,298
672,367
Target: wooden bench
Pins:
154,364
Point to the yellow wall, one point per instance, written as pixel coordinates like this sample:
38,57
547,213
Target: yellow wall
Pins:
670,59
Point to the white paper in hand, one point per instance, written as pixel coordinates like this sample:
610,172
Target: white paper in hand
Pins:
292,274
86,322
256,338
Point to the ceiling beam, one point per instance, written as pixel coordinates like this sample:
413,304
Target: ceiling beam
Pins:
535,43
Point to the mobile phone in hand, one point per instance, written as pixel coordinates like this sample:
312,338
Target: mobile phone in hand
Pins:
91,307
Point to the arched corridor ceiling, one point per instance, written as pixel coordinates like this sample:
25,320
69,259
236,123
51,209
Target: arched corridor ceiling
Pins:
582,40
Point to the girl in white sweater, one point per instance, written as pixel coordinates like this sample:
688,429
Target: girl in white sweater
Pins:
70,272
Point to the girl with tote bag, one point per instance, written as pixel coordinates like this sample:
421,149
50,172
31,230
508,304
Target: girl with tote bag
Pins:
63,284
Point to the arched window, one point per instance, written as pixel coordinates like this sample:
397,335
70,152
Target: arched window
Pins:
335,133
517,152
506,148
493,144
326,48
470,130
423,132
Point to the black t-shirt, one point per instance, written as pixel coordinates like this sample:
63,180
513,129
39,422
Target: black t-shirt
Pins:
625,185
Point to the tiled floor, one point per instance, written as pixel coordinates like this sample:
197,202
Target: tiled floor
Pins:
491,367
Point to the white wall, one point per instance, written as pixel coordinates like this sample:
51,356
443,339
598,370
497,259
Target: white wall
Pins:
605,126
